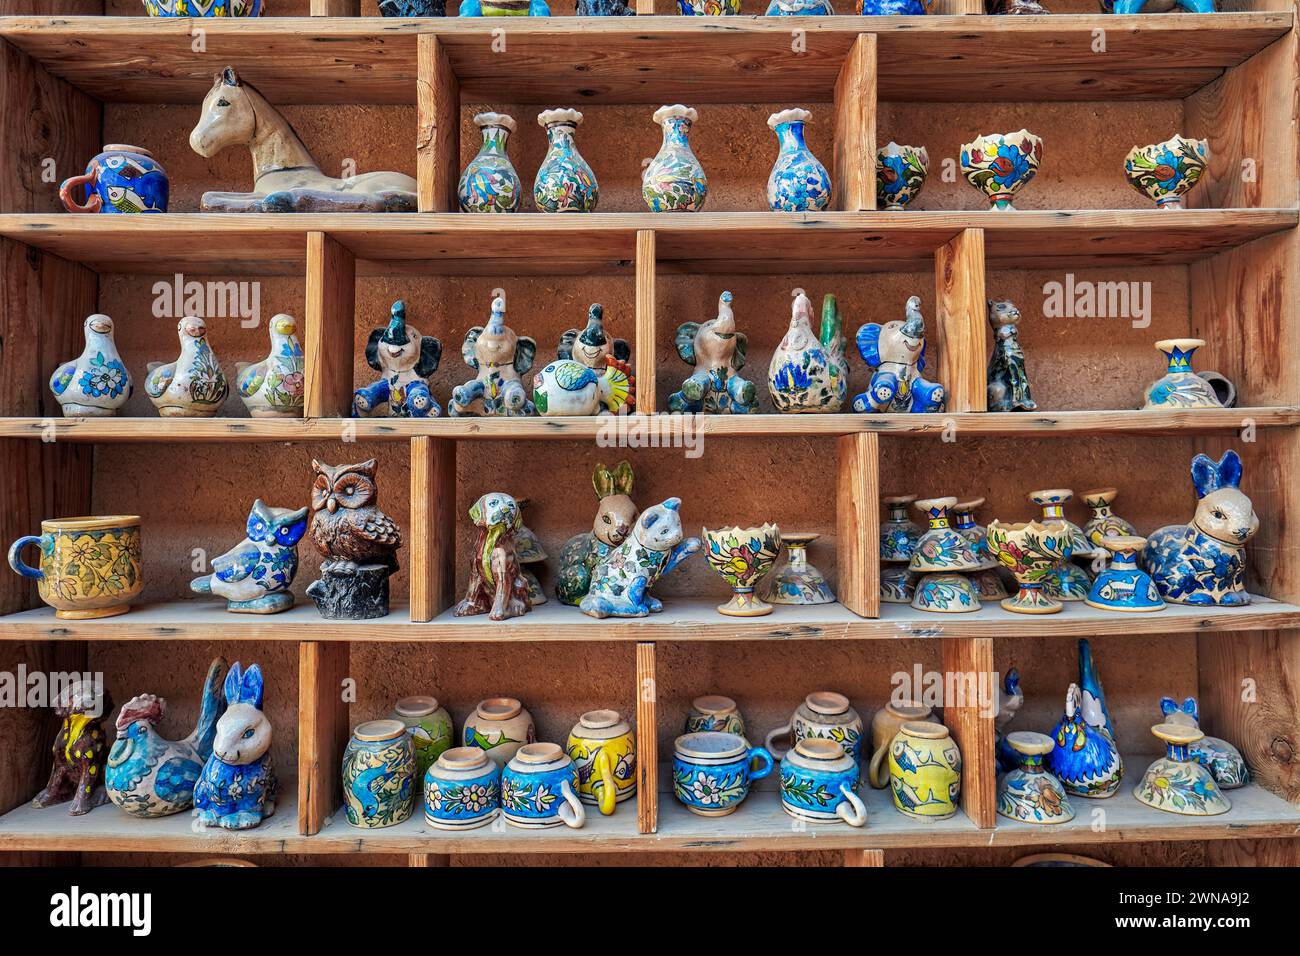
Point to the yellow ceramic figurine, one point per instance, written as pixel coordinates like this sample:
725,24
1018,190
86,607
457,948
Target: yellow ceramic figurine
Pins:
89,568
603,748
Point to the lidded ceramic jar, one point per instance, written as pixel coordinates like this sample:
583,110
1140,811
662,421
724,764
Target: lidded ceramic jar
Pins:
379,775
565,183
924,771
430,727
462,790
500,726
675,181
603,748
490,183
715,712
824,714
818,780
539,789
885,724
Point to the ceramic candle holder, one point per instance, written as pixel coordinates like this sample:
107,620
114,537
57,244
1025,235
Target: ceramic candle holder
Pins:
1029,793
898,533
1030,550
1068,582
900,174
1104,523
963,520
1124,586
797,581
1176,782
941,547
742,556
1165,172
462,790
818,780
712,771
1180,387
379,782
1000,164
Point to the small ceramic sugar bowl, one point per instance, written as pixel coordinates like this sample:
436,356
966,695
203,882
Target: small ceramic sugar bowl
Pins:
712,771
603,748
462,790
818,780
539,789
823,714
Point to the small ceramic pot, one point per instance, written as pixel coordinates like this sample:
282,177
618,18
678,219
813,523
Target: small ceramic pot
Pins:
603,748
941,547
1124,586
823,715
797,581
898,533
500,726
379,775
490,183
1176,782
1030,551
462,790
565,183
712,771
713,712
89,568
675,181
925,771
1165,172
121,179
539,789
198,8
1224,389
900,174
1103,522
798,182
946,593
1000,164
897,584
430,727
1181,387
1029,793
818,780
885,725
742,556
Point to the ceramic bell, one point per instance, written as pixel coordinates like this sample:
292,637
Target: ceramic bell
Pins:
1123,586
717,352
1176,782
1104,523
193,386
255,575
809,373
797,581
798,182
898,533
565,183
96,384
490,183
1029,793
1222,759
742,556
1180,387
274,387
1000,164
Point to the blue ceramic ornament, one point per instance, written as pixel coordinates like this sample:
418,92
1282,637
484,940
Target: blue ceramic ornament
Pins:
236,790
1124,586
255,575
798,182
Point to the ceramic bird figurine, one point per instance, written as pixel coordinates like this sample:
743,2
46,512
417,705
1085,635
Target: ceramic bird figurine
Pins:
717,351
808,372
1085,758
592,346
1093,699
255,575
149,776
591,374
358,541
80,749
193,386
274,387
407,359
96,383
236,790
496,586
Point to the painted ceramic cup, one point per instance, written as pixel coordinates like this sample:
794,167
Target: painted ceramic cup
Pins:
823,715
121,179
89,567
818,780
603,748
539,789
1029,793
797,581
675,181
798,181
999,164
1030,551
898,533
742,556
712,771
462,790
717,713
946,592
925,771
941,547
203,8
379,775
885,725
565,183
1104,523
1165,172
1176,782
500,726
708,8
1180,387
490,183
900,174
897,584
430,727
1124,586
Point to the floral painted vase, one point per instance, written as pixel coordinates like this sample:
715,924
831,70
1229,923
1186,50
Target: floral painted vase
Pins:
500,726
379,775
96,383
675,181
1084,754
89,568
1165,172
897,584
203,8
1029,793
1031,551
742,556
1180,387
1123,586
893,8
800,8
898,533
924,771
565,183
708,8
490,183
1176,782
430,727
823,715
900,174
798,182
809,372
1067,582
712,771
818,784
462,790
275,386
1222,759
713,712
941,547
1104,523
193,386
797,581
1000,164
539,789
121,179
603,748
885,725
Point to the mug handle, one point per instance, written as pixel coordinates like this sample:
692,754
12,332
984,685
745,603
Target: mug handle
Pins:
852,811
765,763
571,810
16,561
94,202
877,765
608,798
773,747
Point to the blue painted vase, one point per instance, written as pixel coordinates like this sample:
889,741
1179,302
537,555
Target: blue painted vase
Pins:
818,780
798,182
539,789
712,771
490,183
1124,586
462,790
892,8
121,179
800,8
203,8
565,183
379,775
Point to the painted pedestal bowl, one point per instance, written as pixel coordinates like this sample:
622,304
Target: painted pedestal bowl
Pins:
742,556
1000,164
1030,550
1176,782
900,174
897,584
1030,793
1124,586
1068,582
1164,172
797,581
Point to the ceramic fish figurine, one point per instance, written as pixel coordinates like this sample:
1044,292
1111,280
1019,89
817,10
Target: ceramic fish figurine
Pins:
1204,561
615,515
809,373
80,749
255,575
497,587
406,359
237,788
96,383
150,776
501,358
896,353
621,581
274,387
717,351
1008,383
1084,758
1222,759
193,386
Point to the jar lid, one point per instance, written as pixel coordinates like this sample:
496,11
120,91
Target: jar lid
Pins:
714,704
379,730
826,702
416,706
499,708
819,748
539,753
599,719
462,758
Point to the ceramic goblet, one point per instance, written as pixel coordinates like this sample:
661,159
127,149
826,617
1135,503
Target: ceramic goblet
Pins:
1164,172
742,556
797,581
1031,551
1030,793
1124,586
999,164
900,174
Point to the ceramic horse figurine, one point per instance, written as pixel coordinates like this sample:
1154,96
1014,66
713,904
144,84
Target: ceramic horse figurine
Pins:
285,177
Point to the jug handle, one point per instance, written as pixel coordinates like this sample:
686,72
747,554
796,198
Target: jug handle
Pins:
852,811
16,561
778,751
878,763
572,811
608,790
94,202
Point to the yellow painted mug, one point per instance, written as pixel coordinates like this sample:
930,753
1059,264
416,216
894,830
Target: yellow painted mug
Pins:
603,748
89,568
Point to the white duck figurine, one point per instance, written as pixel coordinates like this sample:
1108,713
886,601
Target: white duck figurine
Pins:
193,386
273,387
96,383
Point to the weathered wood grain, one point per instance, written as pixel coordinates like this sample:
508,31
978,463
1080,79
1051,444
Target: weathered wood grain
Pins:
322,733
327,339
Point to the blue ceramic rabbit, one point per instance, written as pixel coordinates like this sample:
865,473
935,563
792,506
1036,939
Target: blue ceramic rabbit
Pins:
237,788
896,351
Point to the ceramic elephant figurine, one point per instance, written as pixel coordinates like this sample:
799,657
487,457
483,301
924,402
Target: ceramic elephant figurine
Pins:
896,353
407,359
622,579
1204,561
717,351
501,358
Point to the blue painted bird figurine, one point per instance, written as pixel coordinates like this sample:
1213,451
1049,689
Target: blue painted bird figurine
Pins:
1084,757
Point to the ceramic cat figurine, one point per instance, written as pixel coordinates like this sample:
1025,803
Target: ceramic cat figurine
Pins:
896,351
254,576
809,372
96,383
192,386
1204,561
501,358
236,790
406,359
621,581
717,351
615,515
1008,383
274,387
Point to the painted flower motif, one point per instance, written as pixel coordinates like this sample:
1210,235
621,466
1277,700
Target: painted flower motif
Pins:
433,796
543,798
104,377
475,797
706,790
1010,165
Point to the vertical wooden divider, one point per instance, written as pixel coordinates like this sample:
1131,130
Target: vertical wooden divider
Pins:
645,321
433,526
971,724
645,8
331,308
437,143
870,858
336,8
857,521
322,731
962,313
854,160
428,859
647,741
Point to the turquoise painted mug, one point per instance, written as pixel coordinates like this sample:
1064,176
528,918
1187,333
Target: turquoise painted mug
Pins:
539,788
713,770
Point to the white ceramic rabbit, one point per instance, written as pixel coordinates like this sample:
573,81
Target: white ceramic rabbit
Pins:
237,788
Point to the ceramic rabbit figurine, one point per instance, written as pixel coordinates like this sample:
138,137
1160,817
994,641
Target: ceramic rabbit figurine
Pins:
237,788
96,383
1204,562
615,515
500,358
809,373
1222,759
254,576
621,581
80,749
1008,383
896,350
274,387
407,359
193,385
717,351
497,587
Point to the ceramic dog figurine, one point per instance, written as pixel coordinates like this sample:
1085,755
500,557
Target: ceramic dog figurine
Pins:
407,359
254,576
896,351
717,351
621,581
497,587
615,515
1204,562
80,749
1008,383
237,788
500,358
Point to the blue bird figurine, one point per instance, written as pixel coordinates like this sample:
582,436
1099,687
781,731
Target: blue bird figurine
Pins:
1084,758
254,576
1094,698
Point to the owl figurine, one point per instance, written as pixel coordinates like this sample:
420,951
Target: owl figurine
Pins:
255,575
358,542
